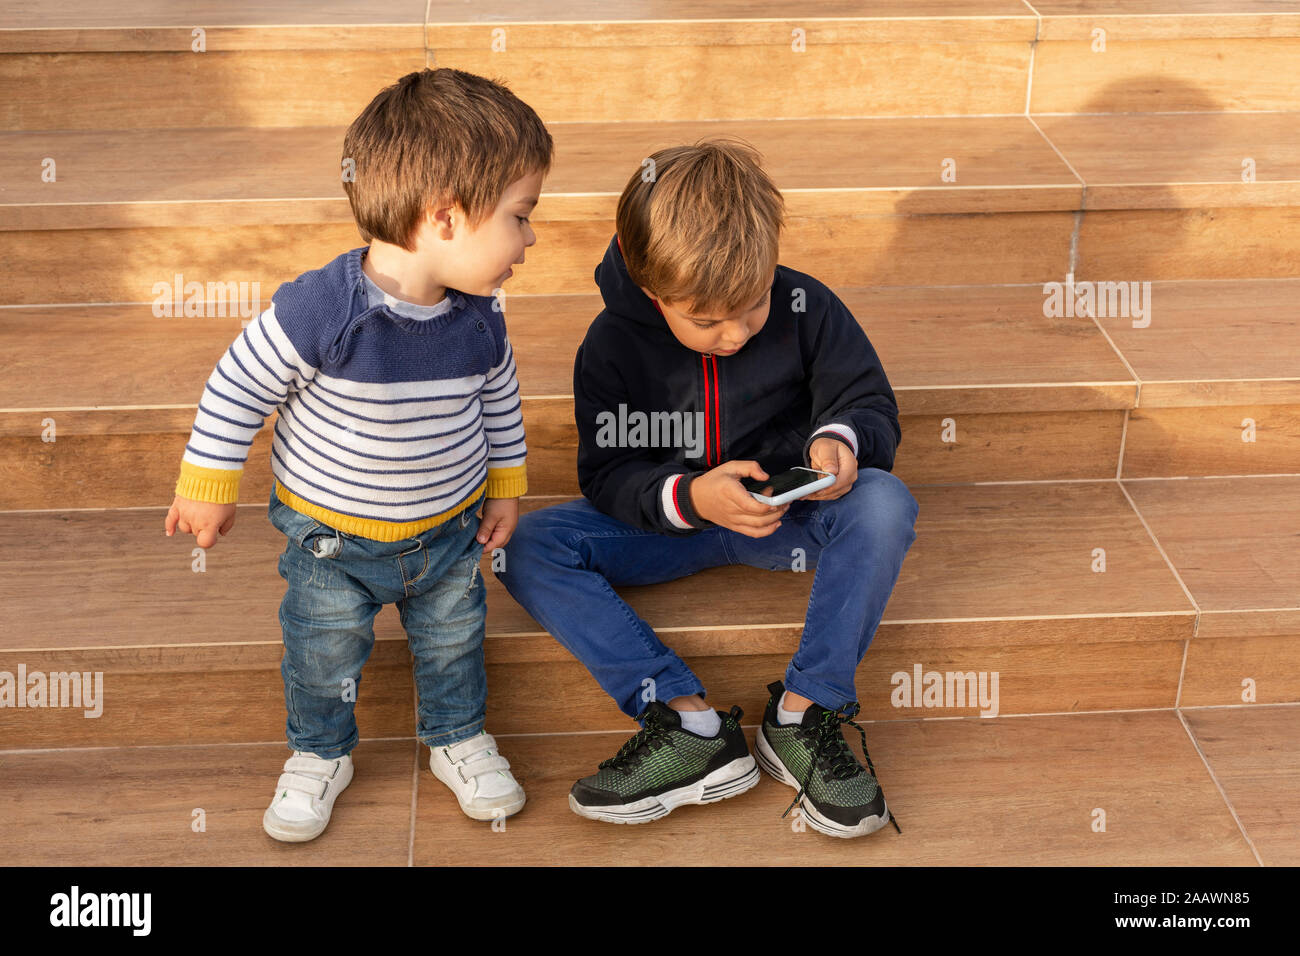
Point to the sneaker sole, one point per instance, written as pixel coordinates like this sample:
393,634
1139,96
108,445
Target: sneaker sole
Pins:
497,813
729,781
273,826
770,762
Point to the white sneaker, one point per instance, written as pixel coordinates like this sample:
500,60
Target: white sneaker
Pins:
305,795
479,777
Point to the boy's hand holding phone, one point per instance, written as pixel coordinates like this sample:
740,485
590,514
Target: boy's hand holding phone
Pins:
829,454
718,496
201,518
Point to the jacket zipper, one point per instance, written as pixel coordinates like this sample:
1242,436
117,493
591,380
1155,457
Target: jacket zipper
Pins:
712,424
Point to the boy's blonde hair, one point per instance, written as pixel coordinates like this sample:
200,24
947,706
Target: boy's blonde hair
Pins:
700,225
438,136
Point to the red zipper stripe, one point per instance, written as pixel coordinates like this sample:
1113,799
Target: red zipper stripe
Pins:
708,455
717,409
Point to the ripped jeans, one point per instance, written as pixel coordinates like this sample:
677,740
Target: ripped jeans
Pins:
337,583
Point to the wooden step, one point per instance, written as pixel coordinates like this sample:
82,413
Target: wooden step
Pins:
1132,56
878,217
1019,791
1166,195
849,215
765,59
1235,552
130,796
251,176
1139,161
951,347
999,579
1196,414
1025,396
1137,20
150,25
1247,749
174,91
143,64
293,63
1206,243
955,57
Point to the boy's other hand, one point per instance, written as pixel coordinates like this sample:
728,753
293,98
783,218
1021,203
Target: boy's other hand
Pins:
718,496
828,454
203,519
500,516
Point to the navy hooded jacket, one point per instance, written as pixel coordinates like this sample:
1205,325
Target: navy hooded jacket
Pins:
809,373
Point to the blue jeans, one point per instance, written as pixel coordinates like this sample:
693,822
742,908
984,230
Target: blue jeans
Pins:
563,562
337,583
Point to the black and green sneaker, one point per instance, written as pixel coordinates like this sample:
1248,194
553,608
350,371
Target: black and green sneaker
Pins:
663,766
838,795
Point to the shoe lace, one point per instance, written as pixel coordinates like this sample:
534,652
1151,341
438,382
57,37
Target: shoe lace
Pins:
652,735
832,754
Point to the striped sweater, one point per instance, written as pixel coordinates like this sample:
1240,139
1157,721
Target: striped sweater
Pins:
388,424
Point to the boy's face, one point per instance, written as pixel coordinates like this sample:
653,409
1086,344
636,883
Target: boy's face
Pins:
478,262
716,334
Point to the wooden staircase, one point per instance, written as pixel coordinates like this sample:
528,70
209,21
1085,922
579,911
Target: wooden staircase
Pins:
1110,511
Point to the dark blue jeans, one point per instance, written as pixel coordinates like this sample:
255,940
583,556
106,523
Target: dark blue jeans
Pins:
563,563
337,583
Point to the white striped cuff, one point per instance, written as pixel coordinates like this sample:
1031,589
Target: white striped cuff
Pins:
667,499
845,431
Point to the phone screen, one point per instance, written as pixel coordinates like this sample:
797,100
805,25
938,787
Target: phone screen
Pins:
780,484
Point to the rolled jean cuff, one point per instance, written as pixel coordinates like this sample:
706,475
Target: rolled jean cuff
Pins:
330,753
459,734
821,694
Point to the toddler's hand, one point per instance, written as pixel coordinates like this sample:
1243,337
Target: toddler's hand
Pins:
201,518
500,516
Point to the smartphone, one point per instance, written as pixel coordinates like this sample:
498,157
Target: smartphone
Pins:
798,482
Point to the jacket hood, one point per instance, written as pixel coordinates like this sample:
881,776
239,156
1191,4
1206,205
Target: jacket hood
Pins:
622,295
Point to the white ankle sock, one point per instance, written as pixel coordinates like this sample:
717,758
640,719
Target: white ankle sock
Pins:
784,716
705,723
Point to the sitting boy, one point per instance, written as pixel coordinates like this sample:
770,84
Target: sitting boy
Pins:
700,320
399,417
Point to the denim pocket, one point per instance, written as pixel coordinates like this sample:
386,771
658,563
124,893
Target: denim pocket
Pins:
296,526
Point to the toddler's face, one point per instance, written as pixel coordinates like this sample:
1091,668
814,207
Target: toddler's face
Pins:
717,334
478,262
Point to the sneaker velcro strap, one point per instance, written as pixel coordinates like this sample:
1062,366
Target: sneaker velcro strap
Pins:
483,765
467,748
311,765
312,785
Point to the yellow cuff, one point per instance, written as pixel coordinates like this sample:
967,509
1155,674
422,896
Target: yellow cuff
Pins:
219,486
507,482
